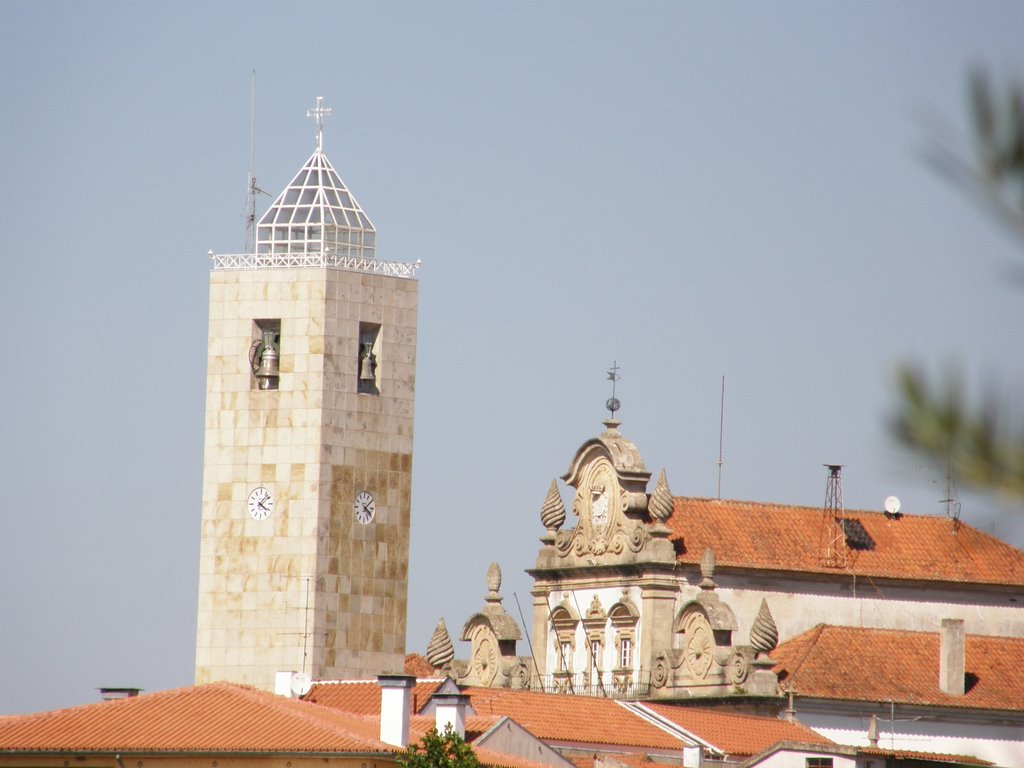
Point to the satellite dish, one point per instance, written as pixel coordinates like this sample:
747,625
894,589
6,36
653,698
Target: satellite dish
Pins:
892,505
301,683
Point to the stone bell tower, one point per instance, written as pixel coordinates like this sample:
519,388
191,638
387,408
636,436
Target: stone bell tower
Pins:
308,457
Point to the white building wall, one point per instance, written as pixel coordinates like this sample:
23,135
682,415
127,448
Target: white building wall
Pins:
580,600
798,606
1000,744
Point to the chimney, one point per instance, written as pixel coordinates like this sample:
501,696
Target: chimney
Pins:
395,694
450,709
952,642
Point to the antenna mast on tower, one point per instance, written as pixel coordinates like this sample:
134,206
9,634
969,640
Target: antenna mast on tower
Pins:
252,189
833,524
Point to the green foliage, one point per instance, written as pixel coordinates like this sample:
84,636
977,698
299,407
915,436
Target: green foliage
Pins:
447,750
936,420
938,423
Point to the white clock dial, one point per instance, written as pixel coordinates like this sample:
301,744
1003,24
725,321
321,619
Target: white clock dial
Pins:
261,503
364,507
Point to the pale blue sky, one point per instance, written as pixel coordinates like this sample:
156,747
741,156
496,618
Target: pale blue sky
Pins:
694,190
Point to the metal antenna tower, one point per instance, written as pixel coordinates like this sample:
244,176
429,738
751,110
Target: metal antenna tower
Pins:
951,501
834,553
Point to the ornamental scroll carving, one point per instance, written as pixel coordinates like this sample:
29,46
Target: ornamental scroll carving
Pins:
603,526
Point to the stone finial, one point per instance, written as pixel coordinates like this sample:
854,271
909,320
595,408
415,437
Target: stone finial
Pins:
440,651
660,505
493,582
707,569
764,635
552,512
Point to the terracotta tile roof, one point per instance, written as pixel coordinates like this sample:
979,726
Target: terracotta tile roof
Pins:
362,697
567,718
591,720
489,757
787,538
737,734
417,665
212,718
828,662
476,726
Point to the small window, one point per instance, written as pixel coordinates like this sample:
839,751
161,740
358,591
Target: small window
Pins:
565,657
625,653
819,762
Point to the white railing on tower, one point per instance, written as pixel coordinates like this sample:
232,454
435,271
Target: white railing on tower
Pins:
328,259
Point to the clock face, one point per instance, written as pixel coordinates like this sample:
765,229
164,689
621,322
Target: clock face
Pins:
261,503
599,506
364,506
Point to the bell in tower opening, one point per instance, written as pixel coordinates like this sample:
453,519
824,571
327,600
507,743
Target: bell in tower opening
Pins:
265,356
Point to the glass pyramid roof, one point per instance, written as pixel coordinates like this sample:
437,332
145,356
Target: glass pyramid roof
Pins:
316,214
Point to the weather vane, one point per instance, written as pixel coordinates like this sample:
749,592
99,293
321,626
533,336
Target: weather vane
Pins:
613,404
319,113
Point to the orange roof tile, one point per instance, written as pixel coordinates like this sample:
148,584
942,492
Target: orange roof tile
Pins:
417,665
593,720
737,734
476,726
568,718
489,757
212,718
828,662
787,538
362,697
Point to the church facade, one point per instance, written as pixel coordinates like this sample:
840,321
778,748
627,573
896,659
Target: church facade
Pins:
652,596
308,451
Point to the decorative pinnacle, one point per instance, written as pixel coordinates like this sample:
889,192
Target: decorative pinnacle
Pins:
707,569
493,583
319,113
440,651
612,403
552,511
660,505
764,635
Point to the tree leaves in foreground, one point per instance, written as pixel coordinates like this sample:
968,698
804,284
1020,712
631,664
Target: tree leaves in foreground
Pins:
936,421
436,750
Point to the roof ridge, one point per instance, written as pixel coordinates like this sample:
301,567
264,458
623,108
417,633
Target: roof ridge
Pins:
819,508
108,704
712,712
901,631
329,721
641,710
813,635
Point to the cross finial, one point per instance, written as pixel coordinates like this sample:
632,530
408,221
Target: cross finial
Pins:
319,113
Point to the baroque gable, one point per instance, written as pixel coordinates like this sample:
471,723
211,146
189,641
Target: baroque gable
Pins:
611,505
